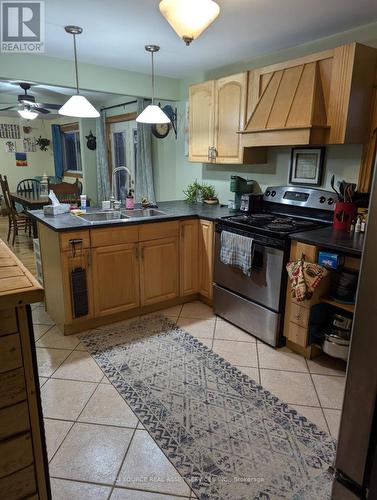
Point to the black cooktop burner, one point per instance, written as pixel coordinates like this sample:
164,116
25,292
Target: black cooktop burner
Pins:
271,223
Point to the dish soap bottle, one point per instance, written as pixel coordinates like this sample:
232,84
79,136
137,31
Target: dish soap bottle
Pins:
130,200
44,186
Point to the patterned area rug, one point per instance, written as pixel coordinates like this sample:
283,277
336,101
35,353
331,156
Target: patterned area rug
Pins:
227,436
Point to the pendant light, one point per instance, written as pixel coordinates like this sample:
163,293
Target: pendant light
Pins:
189,18
152,113
77,106
27,113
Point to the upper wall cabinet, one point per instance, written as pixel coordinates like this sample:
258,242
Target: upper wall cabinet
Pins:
323,98
217,113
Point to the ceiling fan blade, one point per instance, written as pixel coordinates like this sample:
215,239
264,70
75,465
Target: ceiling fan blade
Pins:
50,106
43,111
6,109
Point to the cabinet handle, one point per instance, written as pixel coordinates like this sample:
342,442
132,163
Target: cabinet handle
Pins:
209,153
89,258
214,153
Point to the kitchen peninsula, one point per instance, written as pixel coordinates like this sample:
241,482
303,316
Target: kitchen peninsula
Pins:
98,273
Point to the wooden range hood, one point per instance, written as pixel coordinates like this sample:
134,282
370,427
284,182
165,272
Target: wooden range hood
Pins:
322,98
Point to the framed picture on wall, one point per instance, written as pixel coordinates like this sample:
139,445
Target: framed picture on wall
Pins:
307,166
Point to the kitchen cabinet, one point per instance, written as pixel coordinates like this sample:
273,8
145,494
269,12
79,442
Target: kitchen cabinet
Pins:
115,275
217,111
189,253
206,242
322,98
159,270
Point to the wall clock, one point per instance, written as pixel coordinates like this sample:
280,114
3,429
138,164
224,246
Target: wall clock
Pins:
161,130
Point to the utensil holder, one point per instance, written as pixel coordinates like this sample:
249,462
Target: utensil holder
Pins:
344,214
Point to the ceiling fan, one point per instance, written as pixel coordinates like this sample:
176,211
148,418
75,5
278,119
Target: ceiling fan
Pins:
27,106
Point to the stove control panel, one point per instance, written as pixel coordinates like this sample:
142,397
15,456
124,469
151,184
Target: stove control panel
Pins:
301,197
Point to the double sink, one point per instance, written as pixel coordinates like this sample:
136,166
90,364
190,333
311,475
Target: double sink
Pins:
119,215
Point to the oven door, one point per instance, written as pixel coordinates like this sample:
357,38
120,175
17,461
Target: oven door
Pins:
264,286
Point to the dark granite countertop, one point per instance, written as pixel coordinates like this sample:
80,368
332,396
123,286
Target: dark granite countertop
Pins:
173,209
327,237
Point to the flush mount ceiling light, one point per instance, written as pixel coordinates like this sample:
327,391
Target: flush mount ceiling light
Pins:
189,18
77,106
152,113
27,113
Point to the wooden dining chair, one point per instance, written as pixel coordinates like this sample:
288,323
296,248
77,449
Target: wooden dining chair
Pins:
67,192
17,221
30,187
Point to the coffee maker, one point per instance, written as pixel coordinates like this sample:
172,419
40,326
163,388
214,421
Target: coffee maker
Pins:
240,186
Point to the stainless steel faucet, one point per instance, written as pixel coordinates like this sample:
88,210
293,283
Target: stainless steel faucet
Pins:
114,190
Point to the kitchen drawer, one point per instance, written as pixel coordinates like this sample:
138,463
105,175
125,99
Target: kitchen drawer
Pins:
10,352
12,387
15,454
8,321
14,420
158,230
114,235
299,315
297,334
21,484
65,238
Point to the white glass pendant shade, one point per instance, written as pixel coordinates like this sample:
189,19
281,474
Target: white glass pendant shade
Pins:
189,18
28,114
153,114
79,107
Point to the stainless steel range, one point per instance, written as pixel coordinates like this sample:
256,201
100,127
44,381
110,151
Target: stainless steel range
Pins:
256,303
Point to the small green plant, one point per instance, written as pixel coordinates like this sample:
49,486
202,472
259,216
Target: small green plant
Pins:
193,192
208,192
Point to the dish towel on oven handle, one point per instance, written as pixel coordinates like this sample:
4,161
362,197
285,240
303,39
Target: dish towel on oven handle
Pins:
237,251
304,277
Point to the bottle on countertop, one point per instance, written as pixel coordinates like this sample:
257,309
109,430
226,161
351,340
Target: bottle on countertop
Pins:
44,186
352,226
130,200
363,224
358,224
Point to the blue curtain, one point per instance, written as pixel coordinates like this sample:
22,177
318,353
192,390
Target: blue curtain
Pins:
103,180
144,184
58,150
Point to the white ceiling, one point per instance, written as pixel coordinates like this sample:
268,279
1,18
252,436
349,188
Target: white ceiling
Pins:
116,31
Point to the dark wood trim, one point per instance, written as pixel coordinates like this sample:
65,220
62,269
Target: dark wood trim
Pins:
77,175
70,127
125,117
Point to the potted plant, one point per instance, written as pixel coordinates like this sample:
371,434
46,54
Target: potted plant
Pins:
192,192
209,194
43,143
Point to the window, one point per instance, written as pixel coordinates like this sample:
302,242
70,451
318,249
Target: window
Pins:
71,148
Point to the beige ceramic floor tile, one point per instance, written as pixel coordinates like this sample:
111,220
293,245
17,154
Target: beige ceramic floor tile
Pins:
72,490
105,380
107,407
55,338
253,373
237,353
314,415
91,453
327,365
226,331
146,467
56,431
290,387
280,359
79,366
172,312
40,330
197,310
42,381
40,317
126,494
81,347
207,342
333,420
65,399
330,390
200,328
49,360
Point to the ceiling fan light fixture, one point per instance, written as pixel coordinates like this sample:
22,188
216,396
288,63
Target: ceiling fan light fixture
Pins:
27,114
152,113
189,18
77,106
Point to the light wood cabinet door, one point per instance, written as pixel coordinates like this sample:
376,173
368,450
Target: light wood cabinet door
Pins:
230,111
201,121
159,267
205,258
189,251
115,278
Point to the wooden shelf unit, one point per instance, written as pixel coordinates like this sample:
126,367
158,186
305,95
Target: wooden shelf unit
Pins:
346,307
